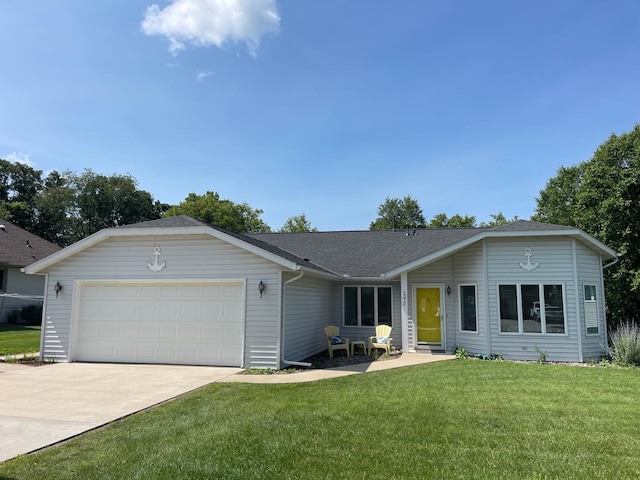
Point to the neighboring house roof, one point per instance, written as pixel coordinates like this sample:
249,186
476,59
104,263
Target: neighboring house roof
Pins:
19,248
350,254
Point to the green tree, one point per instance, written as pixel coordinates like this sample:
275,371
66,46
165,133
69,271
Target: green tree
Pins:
498,219
67,207
298,223
73,206
210,208
54,206
19,186
457,221
602,197
399,213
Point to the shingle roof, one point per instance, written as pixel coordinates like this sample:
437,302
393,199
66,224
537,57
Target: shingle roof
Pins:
367,253
373,253
529,226
19,248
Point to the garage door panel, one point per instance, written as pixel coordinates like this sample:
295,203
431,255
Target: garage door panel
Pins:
188,333
167,332
151,291
145,308
161,323
169,310
235,292
109,291
147,332
127,331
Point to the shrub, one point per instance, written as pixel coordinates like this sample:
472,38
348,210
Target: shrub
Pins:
13,317
624,346
542,355
461,352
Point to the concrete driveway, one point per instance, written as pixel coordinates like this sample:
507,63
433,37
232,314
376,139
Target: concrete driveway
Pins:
41,406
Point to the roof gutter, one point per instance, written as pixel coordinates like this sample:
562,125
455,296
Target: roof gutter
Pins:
612,262
284,360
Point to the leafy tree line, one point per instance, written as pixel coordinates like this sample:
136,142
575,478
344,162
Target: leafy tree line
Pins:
602,197
406,212
65,207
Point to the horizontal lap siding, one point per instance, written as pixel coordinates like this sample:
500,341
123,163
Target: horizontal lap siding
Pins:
307,310
17,282
590,273
187,258
468,269
555,258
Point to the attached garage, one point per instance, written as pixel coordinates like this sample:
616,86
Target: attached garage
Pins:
168,322
169,291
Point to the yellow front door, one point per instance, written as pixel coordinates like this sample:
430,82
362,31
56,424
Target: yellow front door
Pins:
428,315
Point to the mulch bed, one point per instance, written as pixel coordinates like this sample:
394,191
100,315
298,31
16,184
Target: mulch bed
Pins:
340,359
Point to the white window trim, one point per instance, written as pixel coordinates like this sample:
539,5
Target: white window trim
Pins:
460,330
586,330
359,305
520,331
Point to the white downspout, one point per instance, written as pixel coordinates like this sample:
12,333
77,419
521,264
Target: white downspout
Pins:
284,360
604,297
612,262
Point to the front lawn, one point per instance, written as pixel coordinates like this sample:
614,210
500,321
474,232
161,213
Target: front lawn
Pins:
461,419
17,339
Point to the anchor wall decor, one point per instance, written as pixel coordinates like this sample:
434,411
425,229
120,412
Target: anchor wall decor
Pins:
156,267
529,266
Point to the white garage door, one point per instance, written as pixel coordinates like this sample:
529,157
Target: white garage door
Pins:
173,323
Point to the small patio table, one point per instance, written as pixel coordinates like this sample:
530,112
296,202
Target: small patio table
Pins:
363,343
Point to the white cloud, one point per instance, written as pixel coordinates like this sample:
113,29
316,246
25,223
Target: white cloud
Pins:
202,75
212,22
19,157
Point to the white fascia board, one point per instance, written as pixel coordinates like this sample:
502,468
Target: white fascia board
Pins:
574,233
40,265
102,235
433,256
249,247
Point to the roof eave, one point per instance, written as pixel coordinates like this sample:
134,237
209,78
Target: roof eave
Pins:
433,256
103,235
576,233
601,248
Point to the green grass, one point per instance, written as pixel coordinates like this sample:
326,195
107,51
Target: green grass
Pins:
16,339
460,419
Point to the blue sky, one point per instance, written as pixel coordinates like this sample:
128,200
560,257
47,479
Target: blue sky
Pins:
320,107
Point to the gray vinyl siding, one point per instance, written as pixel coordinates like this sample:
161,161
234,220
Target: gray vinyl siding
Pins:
186,257
555,259
363,333
468,269
16,282
590,273
307,310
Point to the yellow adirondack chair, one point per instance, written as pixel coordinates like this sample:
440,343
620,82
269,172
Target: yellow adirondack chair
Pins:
333,337
382,339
